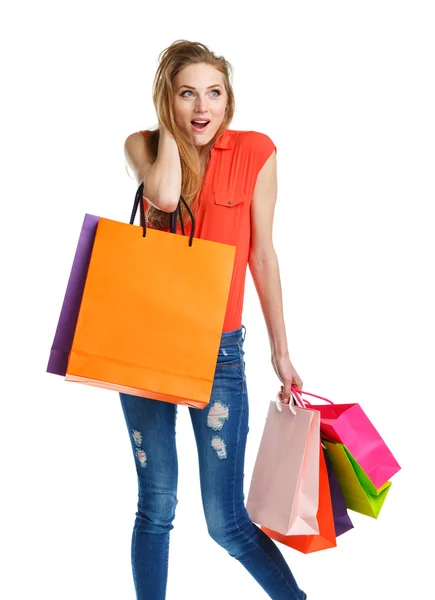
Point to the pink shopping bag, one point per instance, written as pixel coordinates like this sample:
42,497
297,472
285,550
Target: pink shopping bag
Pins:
348,424
284,489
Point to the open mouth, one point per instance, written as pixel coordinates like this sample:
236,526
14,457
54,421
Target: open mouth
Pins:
199,125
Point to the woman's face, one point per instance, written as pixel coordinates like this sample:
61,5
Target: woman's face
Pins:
204,100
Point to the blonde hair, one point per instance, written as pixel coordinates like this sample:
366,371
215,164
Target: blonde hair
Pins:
172,60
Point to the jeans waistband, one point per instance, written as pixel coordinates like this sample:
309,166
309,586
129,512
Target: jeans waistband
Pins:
236,335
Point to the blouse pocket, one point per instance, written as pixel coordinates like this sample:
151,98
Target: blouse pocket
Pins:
228,199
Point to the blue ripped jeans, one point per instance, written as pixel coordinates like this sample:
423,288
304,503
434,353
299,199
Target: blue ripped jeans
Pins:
220,431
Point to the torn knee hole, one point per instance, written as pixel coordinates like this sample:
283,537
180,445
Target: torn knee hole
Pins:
137,436
140,453
219,445
142,457
217,415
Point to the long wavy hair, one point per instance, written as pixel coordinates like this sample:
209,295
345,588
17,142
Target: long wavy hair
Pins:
173,59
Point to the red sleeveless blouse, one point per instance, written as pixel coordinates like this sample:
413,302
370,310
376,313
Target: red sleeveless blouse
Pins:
223,205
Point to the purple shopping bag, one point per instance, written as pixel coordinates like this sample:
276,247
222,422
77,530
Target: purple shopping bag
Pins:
63,338
342,520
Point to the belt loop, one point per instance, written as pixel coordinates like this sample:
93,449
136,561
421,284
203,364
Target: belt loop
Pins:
244,333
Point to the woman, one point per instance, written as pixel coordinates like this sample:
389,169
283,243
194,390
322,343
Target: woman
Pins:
228,178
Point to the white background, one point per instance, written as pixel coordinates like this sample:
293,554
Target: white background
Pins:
346,91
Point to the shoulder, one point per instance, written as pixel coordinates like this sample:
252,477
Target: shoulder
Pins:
255,140
137,142
259,147
137,153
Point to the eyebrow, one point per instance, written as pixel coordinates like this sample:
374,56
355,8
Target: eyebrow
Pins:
192,88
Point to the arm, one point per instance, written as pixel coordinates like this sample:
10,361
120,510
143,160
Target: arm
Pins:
162,179
264,268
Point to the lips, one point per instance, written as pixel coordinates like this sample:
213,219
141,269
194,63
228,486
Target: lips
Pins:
199,127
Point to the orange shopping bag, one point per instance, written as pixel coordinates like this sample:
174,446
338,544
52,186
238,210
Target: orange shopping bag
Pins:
152,312
325,518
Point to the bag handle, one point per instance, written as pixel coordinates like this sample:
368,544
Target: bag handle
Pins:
173,220
293,401
297,393
138,201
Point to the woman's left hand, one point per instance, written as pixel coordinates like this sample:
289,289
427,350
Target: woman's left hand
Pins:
287,375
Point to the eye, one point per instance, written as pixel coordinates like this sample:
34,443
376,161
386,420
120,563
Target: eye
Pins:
188,91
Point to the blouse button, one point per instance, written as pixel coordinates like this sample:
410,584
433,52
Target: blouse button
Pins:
229,202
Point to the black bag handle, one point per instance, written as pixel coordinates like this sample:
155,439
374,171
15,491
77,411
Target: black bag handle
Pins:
172,216
173,220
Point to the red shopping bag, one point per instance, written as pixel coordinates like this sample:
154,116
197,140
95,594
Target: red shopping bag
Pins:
326,537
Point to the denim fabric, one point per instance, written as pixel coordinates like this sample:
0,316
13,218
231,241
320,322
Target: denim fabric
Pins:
220,431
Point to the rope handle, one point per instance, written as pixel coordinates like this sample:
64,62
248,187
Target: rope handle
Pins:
297,393
138,202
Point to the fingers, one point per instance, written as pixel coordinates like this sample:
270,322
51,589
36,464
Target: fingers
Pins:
297,383
285,394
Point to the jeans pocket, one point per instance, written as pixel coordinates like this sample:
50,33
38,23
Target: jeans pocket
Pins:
229,356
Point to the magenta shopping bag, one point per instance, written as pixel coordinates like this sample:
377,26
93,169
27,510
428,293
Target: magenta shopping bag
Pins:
348,424
66,326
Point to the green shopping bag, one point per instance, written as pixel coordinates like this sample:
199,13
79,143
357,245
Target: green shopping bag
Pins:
358,490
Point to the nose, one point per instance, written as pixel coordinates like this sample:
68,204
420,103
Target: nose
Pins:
201,106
